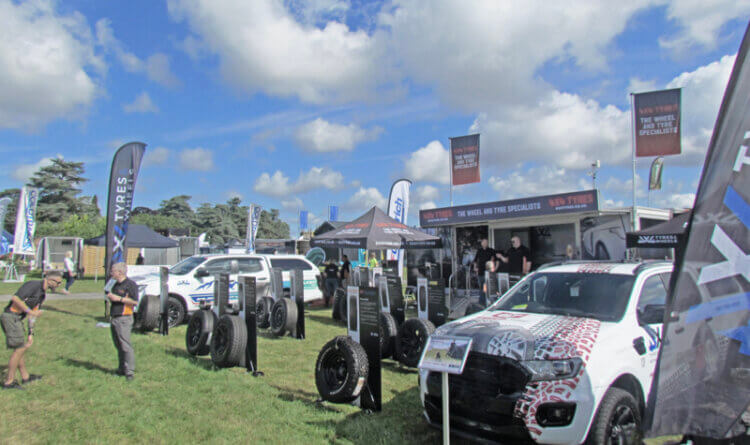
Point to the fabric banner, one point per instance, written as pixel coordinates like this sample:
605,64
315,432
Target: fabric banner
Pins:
303,219
654,177
465,159
4,202
333,213
122,178
398,209
253,219
701,383
25,222
657,123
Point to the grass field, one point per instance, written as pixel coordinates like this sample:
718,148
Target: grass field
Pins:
176,398
81,286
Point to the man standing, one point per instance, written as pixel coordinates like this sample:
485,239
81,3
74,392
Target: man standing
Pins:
484,254
518,259
332,280
346,270
123,296
26,301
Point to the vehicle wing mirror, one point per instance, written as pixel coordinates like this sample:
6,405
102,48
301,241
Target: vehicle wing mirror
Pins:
651,314
234,267
201,272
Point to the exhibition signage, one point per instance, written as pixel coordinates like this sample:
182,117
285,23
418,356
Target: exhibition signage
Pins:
398,209
657,123
247,294
333,213
465,159
25,222
436,308
122,178
514,208
700,386
253,219
369,337
303,220
654,177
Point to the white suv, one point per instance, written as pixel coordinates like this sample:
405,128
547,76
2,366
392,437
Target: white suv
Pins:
567,354
191,281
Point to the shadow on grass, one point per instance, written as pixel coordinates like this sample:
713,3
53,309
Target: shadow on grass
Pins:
88,365
325,318
62,311
308,398
397,367
206,364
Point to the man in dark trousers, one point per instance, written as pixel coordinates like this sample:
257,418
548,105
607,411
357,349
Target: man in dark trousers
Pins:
124,297
483,255
27,301
332,280
518,259
345,271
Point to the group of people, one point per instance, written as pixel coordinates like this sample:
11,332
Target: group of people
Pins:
334,276
26,304
516,261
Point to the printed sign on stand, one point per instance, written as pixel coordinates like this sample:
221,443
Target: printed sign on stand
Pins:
164,300
297,294
221,294
436,309
277,284
503,282
369,338
247,295
445,354
396,298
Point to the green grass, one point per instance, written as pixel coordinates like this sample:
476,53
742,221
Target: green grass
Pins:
177,398
84,285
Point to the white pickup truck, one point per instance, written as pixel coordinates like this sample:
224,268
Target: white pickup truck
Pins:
191,281
565,356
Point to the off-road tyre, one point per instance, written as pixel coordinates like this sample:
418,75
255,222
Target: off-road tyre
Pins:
617,421
388,333
176,311
228,341
283,316
198,334
336,306
263,312
341,370
411,340
148,313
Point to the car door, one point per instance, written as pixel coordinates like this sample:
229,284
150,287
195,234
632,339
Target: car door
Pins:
650,312
254,266
202,290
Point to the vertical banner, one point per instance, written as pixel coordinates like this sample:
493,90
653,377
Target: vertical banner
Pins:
657,123
398,209
253,219
654,176
701,381
333,213
122,177
25,222
465,159
302,220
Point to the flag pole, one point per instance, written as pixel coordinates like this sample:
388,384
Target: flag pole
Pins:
632,135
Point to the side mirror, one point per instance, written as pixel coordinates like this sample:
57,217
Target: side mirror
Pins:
651,313
234,267
201,272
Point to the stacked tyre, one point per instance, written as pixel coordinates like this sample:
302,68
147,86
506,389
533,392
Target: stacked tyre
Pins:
411,340
147,317
283,316
341,370
199,331
228,341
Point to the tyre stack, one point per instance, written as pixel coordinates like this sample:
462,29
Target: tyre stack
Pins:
147,316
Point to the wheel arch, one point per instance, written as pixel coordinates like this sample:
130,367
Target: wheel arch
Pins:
629,383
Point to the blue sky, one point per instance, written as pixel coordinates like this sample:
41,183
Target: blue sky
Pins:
304,104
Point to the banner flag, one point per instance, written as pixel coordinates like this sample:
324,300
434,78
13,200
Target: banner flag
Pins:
253,219
333,213
303,219
465,159
398,209
657,123
122,178
701,384
25,222
654,177
4,202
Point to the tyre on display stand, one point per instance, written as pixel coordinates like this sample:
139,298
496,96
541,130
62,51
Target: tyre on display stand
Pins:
411,340
175,311
283,316
337,297
341,370
198,333
340,306
263,312
228,341
148,313
388,333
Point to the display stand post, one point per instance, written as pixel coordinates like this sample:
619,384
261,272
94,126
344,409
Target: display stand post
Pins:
436,308
297,294
221,294
446,407
247,295
277,284
164,300
364,327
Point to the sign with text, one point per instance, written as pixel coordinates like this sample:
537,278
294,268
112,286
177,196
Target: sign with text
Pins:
436,307
657,123
465,159
444,353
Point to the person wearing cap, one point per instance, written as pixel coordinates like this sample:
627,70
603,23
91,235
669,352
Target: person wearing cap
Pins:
124,297
27,301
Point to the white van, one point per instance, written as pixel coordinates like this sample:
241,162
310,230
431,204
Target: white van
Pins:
191,281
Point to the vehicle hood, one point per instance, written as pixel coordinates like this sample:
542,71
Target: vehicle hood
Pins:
527,336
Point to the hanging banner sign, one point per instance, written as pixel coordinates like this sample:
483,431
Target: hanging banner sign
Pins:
253,219
25,222
303,220
657,123
333,213
465,159
398,209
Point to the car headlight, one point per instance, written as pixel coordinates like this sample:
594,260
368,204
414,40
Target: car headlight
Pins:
553,369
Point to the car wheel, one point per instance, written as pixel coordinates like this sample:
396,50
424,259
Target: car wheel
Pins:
341,370
148,312
388,333
411,340
175,311
263,312
228,341
198,333
617,421
283,316
601,252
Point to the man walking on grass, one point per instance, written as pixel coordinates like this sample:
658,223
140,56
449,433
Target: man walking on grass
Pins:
124,297
26,301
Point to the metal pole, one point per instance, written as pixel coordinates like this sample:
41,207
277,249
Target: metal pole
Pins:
450,166
632,108
446,416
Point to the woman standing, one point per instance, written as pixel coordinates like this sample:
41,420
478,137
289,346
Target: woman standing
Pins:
70,270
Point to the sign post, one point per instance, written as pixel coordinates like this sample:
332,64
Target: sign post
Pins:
364,328
297,294
164,300
436,309
247,295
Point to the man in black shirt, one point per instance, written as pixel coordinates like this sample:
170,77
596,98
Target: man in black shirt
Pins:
332,280
27,301
345,271
483,255
518,259
124,297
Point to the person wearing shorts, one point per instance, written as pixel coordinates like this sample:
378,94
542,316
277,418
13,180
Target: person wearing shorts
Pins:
27,300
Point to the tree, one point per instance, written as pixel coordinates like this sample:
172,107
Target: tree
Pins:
10,216
84,226
270,226
58,185
159,223
178,207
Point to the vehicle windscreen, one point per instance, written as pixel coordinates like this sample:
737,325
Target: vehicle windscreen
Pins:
186,265
593,295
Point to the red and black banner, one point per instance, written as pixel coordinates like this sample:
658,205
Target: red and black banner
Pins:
465,159
657,123
122,177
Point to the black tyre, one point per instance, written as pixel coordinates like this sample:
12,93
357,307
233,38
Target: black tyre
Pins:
388,333
199,330
175,311
228,341
283,316
617,421
148,312
263,312
337,297
411,340
601,252
474,308
422,298
341,305
341,370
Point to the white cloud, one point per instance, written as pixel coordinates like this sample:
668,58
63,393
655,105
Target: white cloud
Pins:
49,68
429,164
624,187
538,180
141,104
422,197
278,184
322,136
262,47
197,159
701,21
314,12
292,204
23,172
679,201
364,198
157,156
